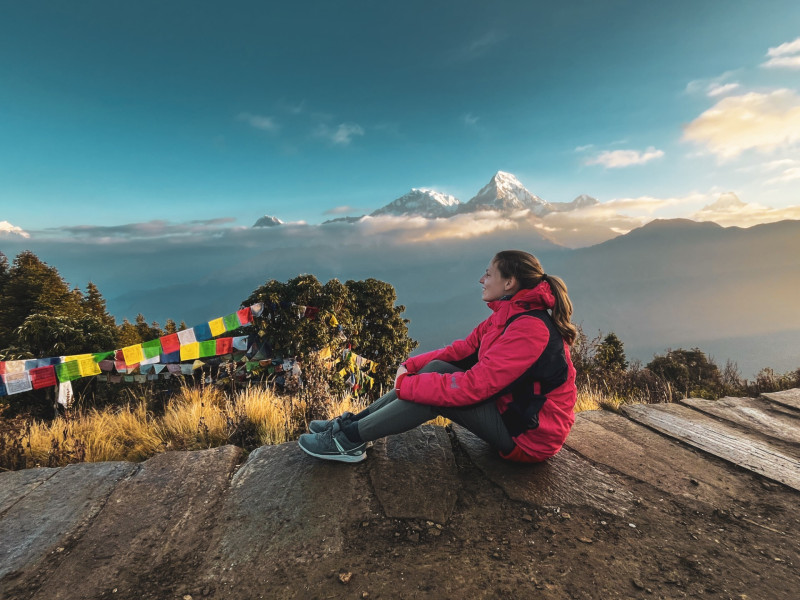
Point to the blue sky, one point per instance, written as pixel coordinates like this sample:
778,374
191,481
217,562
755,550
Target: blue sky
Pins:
115,113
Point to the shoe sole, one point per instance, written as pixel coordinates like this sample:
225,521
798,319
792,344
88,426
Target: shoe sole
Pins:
348,458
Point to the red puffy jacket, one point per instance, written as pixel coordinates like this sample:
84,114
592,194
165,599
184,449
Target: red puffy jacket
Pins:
502,359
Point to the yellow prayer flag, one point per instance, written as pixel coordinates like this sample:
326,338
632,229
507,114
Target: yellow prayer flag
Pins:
190,351
333,321
198,364
88,366
343,372
133,355
76,357
325,353
217,327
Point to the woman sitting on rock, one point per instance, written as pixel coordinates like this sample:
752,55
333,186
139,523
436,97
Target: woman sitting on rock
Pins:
510,382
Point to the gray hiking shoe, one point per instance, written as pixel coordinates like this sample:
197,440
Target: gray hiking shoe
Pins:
332,444
320,426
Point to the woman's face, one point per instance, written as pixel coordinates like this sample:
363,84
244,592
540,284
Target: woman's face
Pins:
495,286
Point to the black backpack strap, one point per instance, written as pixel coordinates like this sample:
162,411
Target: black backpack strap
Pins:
550,370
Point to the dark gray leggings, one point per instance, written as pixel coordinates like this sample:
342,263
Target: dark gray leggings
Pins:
389,415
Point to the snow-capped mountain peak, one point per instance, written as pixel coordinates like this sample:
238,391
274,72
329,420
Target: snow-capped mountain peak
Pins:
421,202
268,221
582,201
505,193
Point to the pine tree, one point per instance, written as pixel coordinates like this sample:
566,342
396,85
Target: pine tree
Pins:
33,287
95,304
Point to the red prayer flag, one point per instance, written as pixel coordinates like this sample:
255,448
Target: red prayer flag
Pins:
224,345
43,377
245,315
2,367
170,343
311,312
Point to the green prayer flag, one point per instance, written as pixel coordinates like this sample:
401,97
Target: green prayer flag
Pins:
102,356
208,348
231,322
252,364
152,348
68,371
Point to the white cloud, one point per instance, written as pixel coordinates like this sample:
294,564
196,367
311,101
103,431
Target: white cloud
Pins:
480,46
730,211
584,148
763,122
624,158
341,135
470,120
259,121
786,55
790,174
715,89
8,228
341,210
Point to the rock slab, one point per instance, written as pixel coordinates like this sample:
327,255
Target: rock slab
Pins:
414,474
48,515
565,479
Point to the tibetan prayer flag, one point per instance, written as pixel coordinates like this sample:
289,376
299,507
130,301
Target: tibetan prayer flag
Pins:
15,366
245,316
198,364
2,387
333,321
224,345
145,369
311,312
127,378
186,369
76,357
103,356
217,327
170,343
202,332
257,309
240,342
2,367
186,337
17,382
67,371
103,377
88,367
115,378
174,368
32,363
151,361
121,366
231,322
133,354
151,349
190,351
208,348
172,357
159,368
65,395
42,377
140,378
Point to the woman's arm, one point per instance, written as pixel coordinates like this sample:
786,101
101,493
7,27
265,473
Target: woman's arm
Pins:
502,364
454,352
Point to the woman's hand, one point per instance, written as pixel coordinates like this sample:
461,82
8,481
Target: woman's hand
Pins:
401,370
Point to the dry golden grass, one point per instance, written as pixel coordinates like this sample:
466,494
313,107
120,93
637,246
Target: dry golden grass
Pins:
197,418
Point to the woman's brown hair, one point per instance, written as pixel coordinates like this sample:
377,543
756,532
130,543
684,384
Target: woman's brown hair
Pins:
528,272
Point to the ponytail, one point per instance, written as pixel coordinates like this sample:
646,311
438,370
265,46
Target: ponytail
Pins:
528,272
